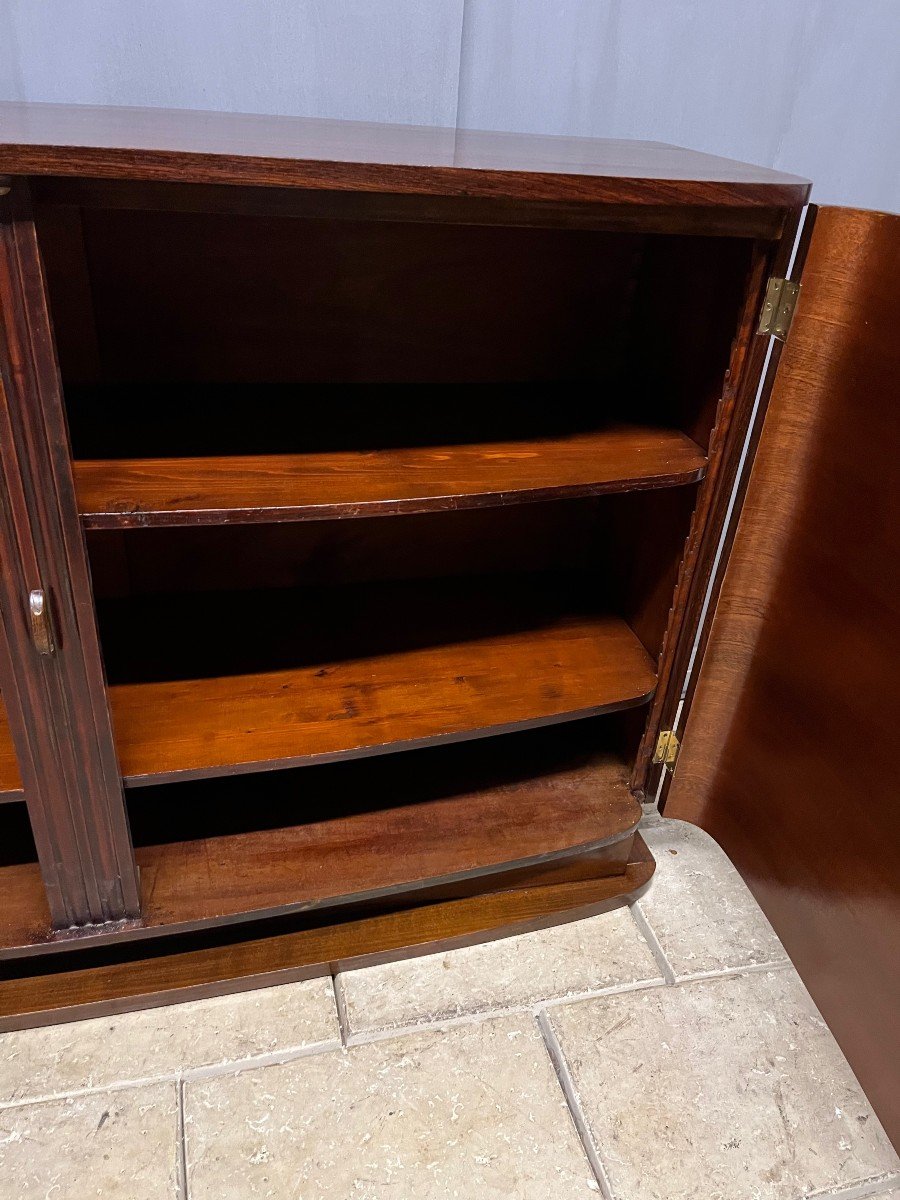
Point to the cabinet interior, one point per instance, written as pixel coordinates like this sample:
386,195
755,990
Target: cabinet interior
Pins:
357,486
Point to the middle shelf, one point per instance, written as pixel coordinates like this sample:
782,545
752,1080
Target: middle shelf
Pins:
210,685
219,490
226,489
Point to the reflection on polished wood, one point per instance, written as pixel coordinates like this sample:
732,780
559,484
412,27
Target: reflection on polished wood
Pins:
189,146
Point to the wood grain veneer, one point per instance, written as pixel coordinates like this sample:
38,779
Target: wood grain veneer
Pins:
790,751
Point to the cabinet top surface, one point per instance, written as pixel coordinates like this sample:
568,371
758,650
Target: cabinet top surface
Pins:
187,145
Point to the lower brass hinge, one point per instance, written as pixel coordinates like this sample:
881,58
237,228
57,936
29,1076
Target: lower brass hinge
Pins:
667,746
778,307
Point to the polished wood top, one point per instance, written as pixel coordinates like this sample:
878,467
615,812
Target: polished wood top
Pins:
186,145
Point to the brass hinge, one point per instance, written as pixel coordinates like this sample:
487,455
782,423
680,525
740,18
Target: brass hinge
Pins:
667,746
778,307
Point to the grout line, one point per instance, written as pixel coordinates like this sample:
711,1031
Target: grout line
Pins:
570,1092
778,964
182,1075
181,1152
365,1037
857,1191
276,1058
653,942
643,985
340,1004
119,1085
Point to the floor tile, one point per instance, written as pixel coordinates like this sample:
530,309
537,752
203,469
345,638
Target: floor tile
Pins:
473,1111
582,956
699,908
164,1041
728,1088
108,1144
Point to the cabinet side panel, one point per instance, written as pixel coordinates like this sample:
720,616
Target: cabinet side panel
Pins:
789,756
57,699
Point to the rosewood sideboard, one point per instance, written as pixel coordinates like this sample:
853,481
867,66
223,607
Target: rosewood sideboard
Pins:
366,496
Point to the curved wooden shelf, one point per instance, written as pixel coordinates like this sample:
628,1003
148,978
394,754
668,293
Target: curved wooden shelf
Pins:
338,673
375,855
540,809
141,492
468,813
285,956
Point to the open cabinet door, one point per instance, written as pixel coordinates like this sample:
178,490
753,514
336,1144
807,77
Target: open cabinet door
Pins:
790,754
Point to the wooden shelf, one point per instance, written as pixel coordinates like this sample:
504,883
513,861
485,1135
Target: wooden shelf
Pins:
285,956
369,855
139,492
534,808
328,673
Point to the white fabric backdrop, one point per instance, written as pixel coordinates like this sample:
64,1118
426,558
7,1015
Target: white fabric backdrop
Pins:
810,86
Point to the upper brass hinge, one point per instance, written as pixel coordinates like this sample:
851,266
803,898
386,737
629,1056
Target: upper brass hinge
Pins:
778,307
667,747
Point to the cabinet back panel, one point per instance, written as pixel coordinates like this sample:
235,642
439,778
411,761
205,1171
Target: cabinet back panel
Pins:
196,301
218,298
420,546
631,544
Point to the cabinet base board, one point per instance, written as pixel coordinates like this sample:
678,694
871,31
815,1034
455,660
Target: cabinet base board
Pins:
48,997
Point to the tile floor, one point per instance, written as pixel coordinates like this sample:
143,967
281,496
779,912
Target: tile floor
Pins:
666,1051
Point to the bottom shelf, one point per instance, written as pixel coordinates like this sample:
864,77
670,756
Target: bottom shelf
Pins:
153,974
428,825
453,826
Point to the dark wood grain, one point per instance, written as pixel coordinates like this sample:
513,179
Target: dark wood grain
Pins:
10,778
334,673
355,858
791,745
330,302
25,919
56,703
187,146
122,493
267,959
59,193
